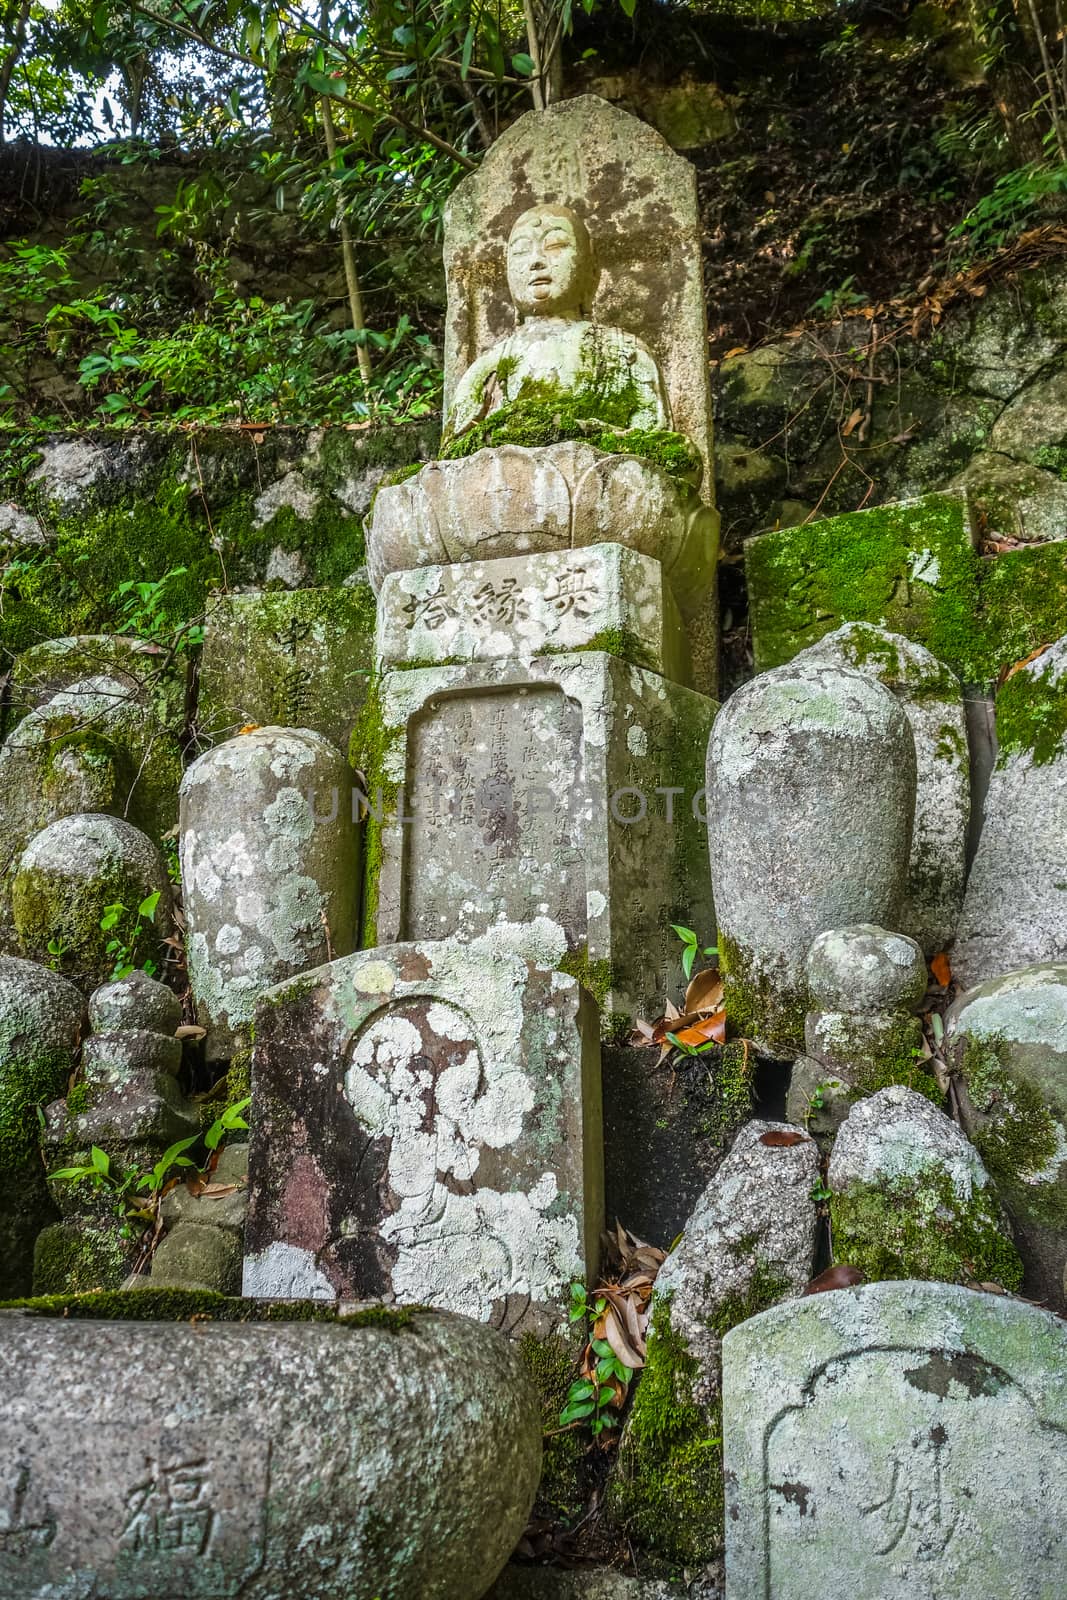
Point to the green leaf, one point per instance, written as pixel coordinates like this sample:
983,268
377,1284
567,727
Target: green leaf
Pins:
628,7
395,74
686,935
688,957
575,1413
147,908
101,1160
468,51
523,64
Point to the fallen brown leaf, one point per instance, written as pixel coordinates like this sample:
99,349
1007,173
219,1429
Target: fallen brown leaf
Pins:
941,970
781,1139
704,992
835,1278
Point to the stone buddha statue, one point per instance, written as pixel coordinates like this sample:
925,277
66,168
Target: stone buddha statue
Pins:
557,355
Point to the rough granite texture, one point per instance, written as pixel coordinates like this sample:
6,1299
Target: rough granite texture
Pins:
598,1583
42,1017
1015,908
270,870
1008,1039
394,1461
811,792
426,1127
904,1441
932,700
866,968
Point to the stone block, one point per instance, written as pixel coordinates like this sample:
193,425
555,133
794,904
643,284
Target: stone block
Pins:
909,567
605,597
932,700
569,787
426,1127
298,659
900,1440
195,1255
1015,908
377,1455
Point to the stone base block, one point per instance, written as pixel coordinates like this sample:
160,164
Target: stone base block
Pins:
426,1128
604,597
568,787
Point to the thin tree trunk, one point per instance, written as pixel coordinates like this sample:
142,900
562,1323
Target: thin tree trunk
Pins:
348,252
1054,105
11,61
534,48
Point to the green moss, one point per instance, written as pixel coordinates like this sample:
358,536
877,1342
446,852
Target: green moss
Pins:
68,912
551,1363
757,1007
595,976
1016,1135
368,747
540,416
730,1086
26,1082
919,1228
976,615
620,642
76,1257
203,1305
1032,716
668,1490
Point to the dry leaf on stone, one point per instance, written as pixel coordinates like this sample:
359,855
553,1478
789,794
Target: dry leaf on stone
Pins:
704,992
941,970
781,1139
189,1030
703,1030
1018,666
834,1278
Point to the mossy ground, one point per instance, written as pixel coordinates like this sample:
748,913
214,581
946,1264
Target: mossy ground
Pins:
919,1228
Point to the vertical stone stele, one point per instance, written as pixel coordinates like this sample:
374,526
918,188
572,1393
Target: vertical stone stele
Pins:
427,1130
896,1440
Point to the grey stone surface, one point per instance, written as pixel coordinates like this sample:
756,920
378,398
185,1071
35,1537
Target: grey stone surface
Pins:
67,877
1014,499
296,660
749,1243
136,1001
638,200
571,788
523,606
866,968
42,1017
281,1462
811,792
510,501
866,1045
898,1133
932,701
1008,1039
817,1100
270,870
56,665
195,1255
426,1127
1015,908
904,1441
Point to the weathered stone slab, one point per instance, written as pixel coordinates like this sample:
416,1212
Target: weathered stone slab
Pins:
569,787
932,701
900,1440
909,567
354,1459
638,200
1015,908
604,597
427,1128
291,659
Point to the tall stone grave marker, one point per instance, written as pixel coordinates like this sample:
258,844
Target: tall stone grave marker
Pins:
905,1441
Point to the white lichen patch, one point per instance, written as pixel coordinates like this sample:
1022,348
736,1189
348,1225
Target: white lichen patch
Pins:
285,1272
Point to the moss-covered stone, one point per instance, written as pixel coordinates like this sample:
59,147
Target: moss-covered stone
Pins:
552,1365
1016,1134
204,1305
1032,715
909,567
367,750
79,1256
757,1006
536,421
918,1227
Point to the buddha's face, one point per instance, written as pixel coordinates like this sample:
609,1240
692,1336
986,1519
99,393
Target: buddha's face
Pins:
550,263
